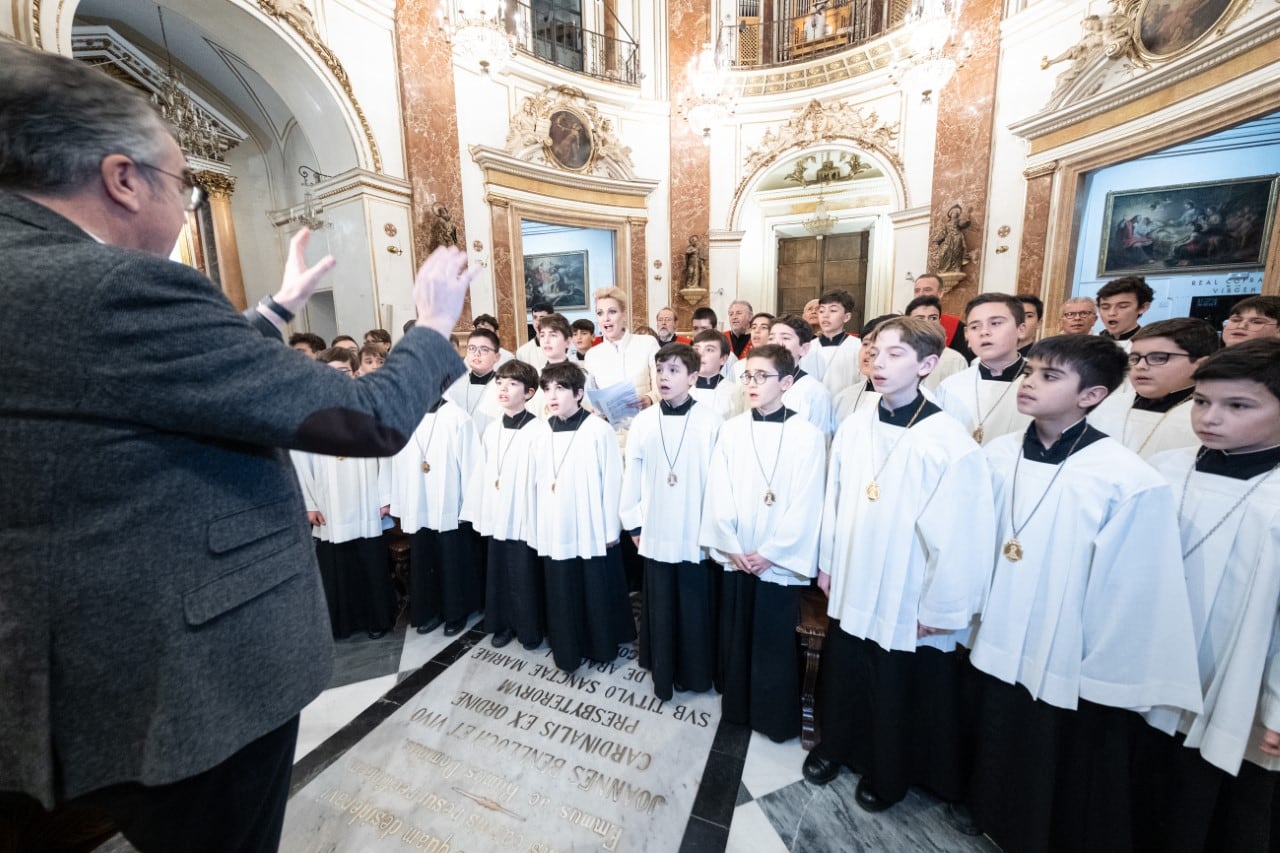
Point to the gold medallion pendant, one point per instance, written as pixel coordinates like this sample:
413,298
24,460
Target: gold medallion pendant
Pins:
978,434
496,484
341,458
671,478
769,498
873,491
553,486
426,467
1012,550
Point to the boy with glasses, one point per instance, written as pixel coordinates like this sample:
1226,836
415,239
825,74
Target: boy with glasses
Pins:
758,522
1162,358
474,392
1252,318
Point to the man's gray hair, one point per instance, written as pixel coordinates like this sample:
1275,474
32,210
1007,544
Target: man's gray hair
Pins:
1086,300
750,310
60,117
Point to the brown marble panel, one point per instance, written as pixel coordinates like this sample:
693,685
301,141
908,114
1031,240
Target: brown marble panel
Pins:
962,159
639,292
432,157
1035,231
500,268
690,157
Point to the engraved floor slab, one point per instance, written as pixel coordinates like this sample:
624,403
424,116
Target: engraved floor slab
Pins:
502,751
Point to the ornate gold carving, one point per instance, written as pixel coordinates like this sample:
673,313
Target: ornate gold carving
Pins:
535,138
815,124
297,15
216,183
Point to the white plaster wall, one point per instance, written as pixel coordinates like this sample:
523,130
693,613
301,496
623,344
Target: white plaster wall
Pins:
262,251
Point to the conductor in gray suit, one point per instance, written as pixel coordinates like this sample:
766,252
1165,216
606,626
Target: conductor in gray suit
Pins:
162,621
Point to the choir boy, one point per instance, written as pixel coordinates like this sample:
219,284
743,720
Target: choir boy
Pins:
474,391
806,396
711,387
347,499
306,343
862,393
576,475
759,522
1162,358
833,361
490,322
760,324
530,350
1032,313
1086,620
984,396
1254,317
428,482
950,362
348,342
1223,792
665,476
908,530
554,336
1122,302
372,357
704,319
584,338
500,506
378,337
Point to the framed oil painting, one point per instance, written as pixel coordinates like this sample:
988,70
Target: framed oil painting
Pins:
1166,28
1217,225
569,141
559,278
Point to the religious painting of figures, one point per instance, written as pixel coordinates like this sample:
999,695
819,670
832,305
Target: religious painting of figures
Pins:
569,142
1209,226
559,278
1168,27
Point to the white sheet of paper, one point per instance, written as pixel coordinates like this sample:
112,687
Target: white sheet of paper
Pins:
619,403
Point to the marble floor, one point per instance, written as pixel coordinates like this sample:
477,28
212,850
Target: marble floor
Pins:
752,797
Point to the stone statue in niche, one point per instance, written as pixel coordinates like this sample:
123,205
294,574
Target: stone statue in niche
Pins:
443,231
952,253
695,266
1079,54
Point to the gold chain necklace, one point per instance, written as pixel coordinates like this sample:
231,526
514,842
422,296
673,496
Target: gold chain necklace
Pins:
524,418
1124,432
435,418
769,497
555,467
979,433
671,462
1012,549
873,488
1212,530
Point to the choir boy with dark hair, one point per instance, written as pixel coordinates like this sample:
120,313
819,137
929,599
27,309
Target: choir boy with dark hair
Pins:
908,530
372,356
577,481
806,395
722,395
758,521
1222,792
1086,622
665,476
1162,357
833,360
429,479
474,391
983,396
862,393
1121,304
584,338
347,499
500,505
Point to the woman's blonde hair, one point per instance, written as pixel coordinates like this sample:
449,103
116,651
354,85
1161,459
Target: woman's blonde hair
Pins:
611,293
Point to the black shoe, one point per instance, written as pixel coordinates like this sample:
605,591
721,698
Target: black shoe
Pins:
430,625
452,629
377,635
819,770
868,799
532,644
501,638
961,819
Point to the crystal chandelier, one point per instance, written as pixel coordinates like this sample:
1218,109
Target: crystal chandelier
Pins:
478,32
196,134
309,216
929,65
822,222
704,103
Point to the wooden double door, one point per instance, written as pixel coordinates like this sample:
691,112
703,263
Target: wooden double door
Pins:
810,266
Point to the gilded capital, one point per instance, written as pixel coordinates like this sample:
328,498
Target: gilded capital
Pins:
216,183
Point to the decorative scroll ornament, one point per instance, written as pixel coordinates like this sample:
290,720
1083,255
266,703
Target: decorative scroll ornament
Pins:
560,128
815,124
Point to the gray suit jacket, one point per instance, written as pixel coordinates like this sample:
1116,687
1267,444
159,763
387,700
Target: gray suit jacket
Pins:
160,605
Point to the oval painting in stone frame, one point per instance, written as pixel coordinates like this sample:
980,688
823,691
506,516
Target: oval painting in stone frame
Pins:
1167,28
569,142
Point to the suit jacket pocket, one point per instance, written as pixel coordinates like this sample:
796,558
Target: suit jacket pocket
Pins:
241,585
248,526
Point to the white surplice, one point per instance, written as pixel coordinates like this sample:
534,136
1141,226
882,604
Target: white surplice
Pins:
971,399
480,402
349,491
446,440
579,517
500,497
810,399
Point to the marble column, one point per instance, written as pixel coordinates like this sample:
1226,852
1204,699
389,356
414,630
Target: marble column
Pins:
639,290
504,291
690,157
432,157
1035,232
962,156
219,188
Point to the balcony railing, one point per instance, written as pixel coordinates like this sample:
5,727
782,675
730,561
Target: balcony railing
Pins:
565,43
803,32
